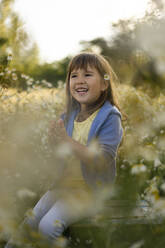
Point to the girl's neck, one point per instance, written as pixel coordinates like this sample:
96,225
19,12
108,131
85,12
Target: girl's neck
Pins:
86,111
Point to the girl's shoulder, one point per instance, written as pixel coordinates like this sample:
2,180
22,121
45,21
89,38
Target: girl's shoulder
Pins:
72,115
108,109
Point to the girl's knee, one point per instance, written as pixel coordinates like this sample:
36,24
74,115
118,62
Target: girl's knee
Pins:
51,229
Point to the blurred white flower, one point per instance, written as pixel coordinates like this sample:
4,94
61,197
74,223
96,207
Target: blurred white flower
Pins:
77,240
138,168
159,207
88,241
29,82
63,150
9,57
160,66
148,152
61,242
30,213
25,193
161,143
49,85
24,76
94,148
44,105
17,175
8,71
14,76
44,139
163,187
96,49
157,162
60,84
43,81
137,244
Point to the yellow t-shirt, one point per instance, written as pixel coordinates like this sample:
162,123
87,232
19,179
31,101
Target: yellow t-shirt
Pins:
73,174
81,129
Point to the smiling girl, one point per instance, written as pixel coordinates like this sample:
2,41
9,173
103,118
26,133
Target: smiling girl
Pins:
92,117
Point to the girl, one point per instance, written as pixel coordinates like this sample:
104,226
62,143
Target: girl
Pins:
92,119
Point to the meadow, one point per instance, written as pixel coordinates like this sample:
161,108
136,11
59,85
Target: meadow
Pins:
28,167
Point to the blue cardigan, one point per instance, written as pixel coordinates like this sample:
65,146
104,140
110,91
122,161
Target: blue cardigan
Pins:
107,128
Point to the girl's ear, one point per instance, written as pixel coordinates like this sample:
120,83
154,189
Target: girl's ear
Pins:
104,85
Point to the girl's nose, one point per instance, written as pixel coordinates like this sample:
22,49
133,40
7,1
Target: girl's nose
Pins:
81,79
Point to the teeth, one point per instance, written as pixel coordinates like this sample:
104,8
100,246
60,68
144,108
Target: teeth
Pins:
81,90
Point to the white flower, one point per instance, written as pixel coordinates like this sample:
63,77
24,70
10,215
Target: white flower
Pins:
61,242
159,207
106,77
78,240
138,168
24,76
25,193
94,148
60,84
88,241
49,85
29,83
63,150
163,187
44,139
8,72
14,76
137,244
143,168
157,162
9,57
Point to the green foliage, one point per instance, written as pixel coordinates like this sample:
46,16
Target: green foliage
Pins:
136,51
11,78
53,72
15,41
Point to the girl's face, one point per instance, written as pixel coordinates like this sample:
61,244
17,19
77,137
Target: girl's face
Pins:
86,86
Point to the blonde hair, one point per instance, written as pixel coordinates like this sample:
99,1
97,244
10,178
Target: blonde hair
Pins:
82,61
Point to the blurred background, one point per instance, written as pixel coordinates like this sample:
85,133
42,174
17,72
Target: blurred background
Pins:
40,38
37,40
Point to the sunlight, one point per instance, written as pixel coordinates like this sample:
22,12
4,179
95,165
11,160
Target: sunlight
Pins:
58,26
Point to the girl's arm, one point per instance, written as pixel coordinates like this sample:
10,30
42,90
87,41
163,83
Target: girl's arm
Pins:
98,165
58,134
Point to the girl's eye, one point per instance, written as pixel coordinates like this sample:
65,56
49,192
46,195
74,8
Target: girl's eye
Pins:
88,74
73,76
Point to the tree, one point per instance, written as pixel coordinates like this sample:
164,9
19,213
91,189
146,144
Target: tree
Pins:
136,49
14,39
52,72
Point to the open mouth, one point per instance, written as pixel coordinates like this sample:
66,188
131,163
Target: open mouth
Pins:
81,90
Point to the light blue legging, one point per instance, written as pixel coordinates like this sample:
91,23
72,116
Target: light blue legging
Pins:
52,217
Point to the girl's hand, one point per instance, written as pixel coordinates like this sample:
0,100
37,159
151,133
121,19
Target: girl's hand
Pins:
57,132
